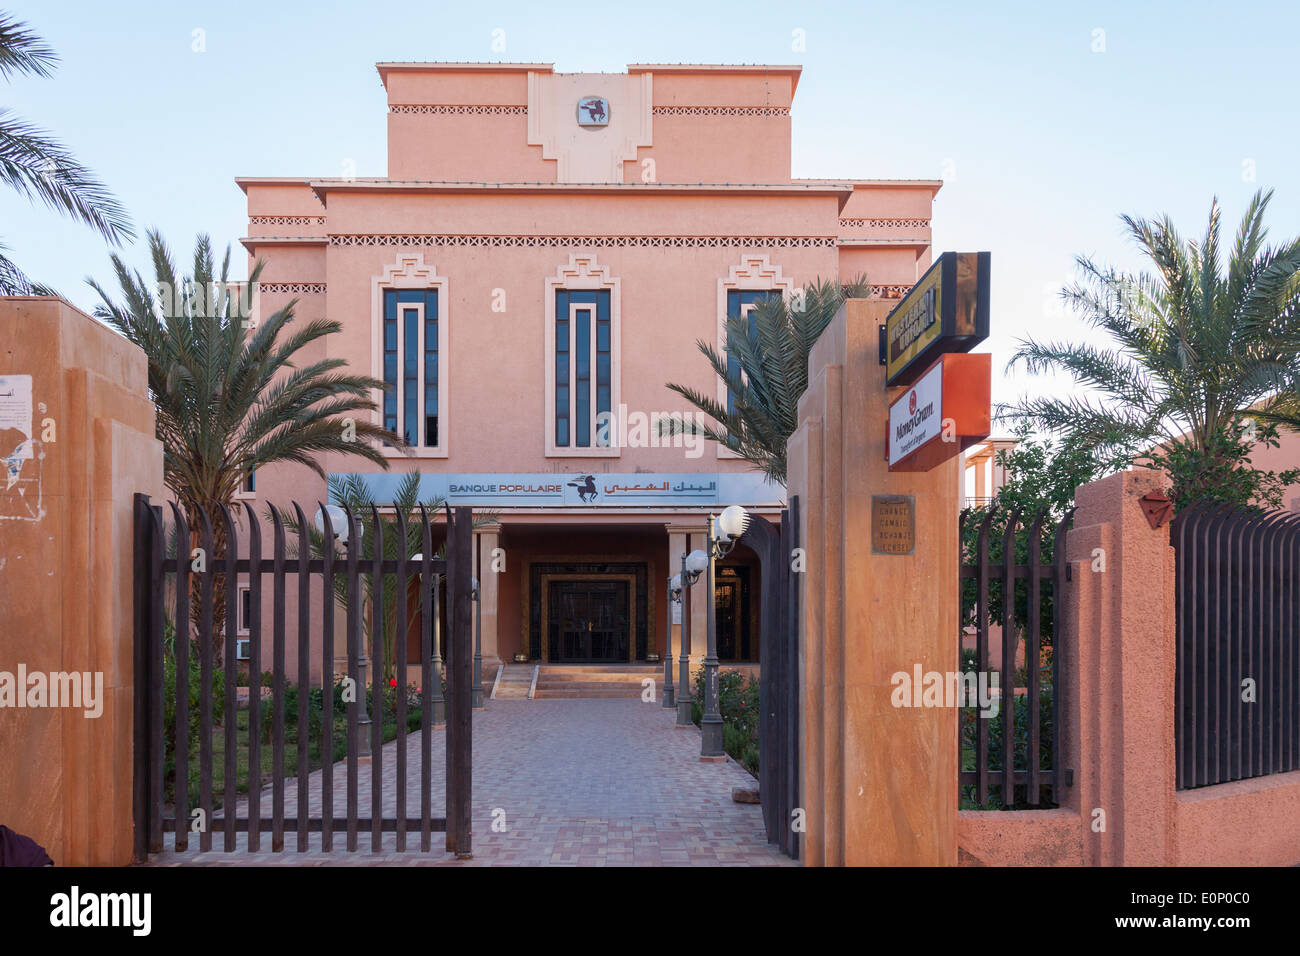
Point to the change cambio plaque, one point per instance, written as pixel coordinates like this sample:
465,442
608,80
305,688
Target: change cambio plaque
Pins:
893,524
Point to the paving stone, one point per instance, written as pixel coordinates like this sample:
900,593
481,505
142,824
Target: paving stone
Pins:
601,782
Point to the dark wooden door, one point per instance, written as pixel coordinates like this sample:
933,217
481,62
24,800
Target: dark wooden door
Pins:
589,621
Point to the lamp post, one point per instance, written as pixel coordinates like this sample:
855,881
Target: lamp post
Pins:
724,531
673,597
339,534
476,690
439,704
692,565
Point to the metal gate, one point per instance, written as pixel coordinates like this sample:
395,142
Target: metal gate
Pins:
778,726
174,561
1238,651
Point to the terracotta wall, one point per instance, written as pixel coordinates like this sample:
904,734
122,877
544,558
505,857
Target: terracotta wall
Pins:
66,575
1118,721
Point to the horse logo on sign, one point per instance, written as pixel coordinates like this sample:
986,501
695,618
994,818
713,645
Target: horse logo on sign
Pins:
593,111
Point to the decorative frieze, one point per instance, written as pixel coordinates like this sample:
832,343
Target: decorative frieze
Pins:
886,223
721,111
452,109
599,242
286,220
293,288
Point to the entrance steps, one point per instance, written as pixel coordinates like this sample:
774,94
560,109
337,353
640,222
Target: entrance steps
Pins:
595,680
515,681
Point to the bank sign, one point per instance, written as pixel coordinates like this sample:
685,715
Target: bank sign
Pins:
579,489
946,311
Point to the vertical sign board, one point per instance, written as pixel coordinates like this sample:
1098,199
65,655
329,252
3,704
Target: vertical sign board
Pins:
944,413
946,311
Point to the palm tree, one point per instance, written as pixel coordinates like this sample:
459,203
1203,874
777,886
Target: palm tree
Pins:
232,398
1196,348
41,168
765,368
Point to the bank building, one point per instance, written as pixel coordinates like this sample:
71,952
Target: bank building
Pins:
538,262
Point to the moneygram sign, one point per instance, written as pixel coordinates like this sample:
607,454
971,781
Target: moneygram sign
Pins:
918,418
943,413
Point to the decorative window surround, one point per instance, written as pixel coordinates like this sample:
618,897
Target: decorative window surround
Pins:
582,272
754,272
411,272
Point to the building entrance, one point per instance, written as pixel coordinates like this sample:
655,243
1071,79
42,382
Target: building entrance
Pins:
589,621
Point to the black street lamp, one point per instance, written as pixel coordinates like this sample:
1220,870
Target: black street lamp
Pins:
476,691
439,703
334,519
692,565
724,531
673,598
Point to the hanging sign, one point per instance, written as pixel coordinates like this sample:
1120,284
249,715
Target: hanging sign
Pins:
946,311
945,412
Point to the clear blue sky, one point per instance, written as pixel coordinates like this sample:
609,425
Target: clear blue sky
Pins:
1043,142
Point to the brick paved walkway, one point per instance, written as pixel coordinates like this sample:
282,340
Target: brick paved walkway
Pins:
576,782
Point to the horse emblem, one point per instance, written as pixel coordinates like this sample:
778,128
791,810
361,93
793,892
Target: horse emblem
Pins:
596,109
586,485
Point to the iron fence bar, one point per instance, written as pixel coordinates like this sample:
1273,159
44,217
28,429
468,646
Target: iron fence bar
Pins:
327,683
460,717
427,677
254,682
314,565
302,737
205,684
399,668
354,653
982,659
1033,665
229,646
376,682
181,654
1059,578
140,793
156,713
278,689
1009,660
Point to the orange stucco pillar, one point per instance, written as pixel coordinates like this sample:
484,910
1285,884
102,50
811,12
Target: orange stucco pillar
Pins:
65,571
879,782
1119,660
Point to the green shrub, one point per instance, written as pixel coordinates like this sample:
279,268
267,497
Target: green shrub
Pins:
738,695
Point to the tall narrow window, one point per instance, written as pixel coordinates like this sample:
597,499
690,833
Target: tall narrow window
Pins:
583,368
740,302
411,365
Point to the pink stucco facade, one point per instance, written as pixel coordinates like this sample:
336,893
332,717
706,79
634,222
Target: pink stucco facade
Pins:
499,198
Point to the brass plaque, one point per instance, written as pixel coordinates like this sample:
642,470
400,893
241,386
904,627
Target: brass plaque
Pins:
893,524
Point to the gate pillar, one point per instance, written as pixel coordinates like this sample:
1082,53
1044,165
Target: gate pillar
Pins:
879,782
77,424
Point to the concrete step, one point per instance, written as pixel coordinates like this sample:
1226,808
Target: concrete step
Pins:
606,691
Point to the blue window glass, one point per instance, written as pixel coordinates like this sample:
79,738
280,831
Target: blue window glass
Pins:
390,360
583,366
603,368
582,377
562,369
431,368
737,299
410,375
